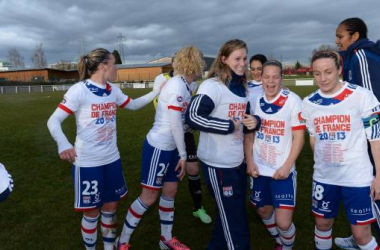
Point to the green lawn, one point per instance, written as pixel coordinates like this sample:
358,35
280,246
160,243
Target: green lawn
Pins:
39,213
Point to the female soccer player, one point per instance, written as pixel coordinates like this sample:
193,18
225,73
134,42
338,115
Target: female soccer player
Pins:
192,168
164,152
361,64
6,183
340,117
271,154
255,88
98,177
218,111
361,57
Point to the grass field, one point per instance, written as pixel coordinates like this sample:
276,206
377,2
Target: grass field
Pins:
39,213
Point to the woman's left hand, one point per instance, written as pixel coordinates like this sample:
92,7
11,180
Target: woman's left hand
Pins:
182,167
249,121
375,189
281,173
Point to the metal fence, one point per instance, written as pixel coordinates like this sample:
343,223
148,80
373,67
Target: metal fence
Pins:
124,85
53,88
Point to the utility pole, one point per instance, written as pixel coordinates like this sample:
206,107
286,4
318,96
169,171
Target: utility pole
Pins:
82,47
120,44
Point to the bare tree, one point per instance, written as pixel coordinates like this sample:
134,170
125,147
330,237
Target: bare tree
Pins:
325,47
15,58
38,57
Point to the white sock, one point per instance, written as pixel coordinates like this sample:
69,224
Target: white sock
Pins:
108,228
287,237
323,239
270,224
372,245
134,215
166,211
90,231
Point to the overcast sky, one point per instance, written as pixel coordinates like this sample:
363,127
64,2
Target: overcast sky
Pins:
287,30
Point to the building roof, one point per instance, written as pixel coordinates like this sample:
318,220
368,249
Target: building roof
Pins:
33,69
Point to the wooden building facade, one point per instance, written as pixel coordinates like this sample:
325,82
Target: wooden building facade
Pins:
38,75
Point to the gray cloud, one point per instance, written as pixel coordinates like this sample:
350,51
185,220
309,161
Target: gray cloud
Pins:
288,30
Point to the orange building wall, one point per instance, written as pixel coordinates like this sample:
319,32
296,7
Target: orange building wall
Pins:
140,74
24,75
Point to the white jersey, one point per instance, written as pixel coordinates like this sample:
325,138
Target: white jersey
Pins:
218,150
335,122
4,178
164,77
95,111
273,141
175,95
255,89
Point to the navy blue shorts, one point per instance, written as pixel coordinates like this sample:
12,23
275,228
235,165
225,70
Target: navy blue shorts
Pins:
94,186
326,200
158,166
278,193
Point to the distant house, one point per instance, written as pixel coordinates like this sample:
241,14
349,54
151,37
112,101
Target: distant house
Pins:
38,75
145,72
289,70
4,66
141,72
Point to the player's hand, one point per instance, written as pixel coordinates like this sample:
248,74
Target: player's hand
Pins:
249,121
281,173
237,123
68,155
375,189
182,167
252,170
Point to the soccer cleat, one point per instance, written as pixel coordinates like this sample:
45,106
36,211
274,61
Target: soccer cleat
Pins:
172,244
121,246
277,247
346,243
202,215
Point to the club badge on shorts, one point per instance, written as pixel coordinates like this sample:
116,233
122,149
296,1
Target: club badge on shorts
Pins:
228,191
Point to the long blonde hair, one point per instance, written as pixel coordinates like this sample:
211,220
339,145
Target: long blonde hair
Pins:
221,70
88,64
188,61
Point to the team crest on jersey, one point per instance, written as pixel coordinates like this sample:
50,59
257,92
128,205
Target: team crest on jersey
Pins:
228,191
159,180
86,199
179,98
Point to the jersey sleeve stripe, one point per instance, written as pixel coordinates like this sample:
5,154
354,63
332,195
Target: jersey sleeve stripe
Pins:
125,103
202,122
300,127
66,109
175,108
